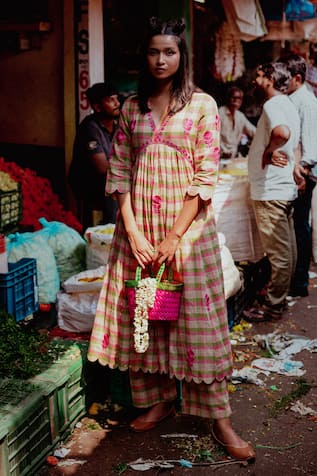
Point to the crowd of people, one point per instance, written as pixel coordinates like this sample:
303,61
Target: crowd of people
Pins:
161,174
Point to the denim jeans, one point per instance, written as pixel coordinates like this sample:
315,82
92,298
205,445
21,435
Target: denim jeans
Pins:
274,220
302,206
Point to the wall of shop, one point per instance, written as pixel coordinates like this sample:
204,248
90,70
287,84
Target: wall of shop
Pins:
32,93
31,85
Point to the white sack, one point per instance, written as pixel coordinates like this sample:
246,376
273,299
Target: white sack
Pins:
98,245
86,281
231,275
314,223
235,218
76,312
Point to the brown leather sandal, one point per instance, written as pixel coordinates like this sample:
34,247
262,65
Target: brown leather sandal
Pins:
240,453
139,425
261,314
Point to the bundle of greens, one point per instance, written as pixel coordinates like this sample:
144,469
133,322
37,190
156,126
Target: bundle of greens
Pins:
24,352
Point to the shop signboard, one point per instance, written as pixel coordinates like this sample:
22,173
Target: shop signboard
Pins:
82,57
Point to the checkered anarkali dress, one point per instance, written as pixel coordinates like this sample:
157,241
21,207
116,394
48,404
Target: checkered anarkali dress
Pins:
158,165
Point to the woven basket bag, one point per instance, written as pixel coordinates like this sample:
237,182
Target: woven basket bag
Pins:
167,298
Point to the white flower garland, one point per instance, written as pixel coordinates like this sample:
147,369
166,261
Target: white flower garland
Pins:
229,60
144,299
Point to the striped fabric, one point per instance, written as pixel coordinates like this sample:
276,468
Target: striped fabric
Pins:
202,400
158,165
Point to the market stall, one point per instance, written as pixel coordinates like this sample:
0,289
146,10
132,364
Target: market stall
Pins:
233,211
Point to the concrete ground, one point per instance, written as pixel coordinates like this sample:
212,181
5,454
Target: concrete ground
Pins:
285,440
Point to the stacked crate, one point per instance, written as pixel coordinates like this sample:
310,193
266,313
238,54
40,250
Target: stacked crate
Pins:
255,277
19,290
25,430
10,209
36,415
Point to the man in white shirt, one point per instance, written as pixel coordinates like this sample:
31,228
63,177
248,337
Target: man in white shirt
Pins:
233,124
305,171
311,71
273,189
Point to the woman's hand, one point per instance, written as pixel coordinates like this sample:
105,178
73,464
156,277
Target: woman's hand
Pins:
167,249
141,248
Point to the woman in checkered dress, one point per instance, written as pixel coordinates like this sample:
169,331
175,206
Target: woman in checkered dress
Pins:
163,171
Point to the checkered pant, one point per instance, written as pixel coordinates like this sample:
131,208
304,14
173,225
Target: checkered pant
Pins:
202,400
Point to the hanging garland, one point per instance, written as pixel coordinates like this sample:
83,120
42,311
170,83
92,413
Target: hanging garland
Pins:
144,299
229,61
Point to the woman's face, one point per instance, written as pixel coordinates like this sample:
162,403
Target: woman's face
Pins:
163,56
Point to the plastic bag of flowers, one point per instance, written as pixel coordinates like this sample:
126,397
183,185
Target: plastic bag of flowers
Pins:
32,245
68,246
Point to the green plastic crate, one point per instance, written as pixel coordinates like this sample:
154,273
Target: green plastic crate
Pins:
25,435
67,399
36,415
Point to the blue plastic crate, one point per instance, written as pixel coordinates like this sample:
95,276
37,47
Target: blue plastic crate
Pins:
18,289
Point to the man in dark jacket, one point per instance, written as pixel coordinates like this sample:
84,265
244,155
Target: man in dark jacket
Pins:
91,152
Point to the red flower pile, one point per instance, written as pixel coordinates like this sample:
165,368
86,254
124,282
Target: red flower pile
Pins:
38,198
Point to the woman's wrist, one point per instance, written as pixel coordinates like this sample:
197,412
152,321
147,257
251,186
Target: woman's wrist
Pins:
175,234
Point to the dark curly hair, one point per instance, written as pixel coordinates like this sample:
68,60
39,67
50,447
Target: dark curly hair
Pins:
278,73
295,65
182,86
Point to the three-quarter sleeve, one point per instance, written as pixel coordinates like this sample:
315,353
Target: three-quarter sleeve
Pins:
207,150
120,163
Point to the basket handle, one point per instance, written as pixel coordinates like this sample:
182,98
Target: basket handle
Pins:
158,276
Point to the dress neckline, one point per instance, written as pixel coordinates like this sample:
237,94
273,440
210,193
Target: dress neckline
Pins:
160,126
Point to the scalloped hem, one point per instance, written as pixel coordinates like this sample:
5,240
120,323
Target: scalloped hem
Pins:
205,196
198,380
117,190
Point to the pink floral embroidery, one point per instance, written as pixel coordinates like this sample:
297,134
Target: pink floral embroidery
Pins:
132,125
190,357
105,341
188,124
216,154
158,138
156,203
208,138
120,137
207,299
217,123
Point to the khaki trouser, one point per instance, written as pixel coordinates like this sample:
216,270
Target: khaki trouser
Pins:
274,220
